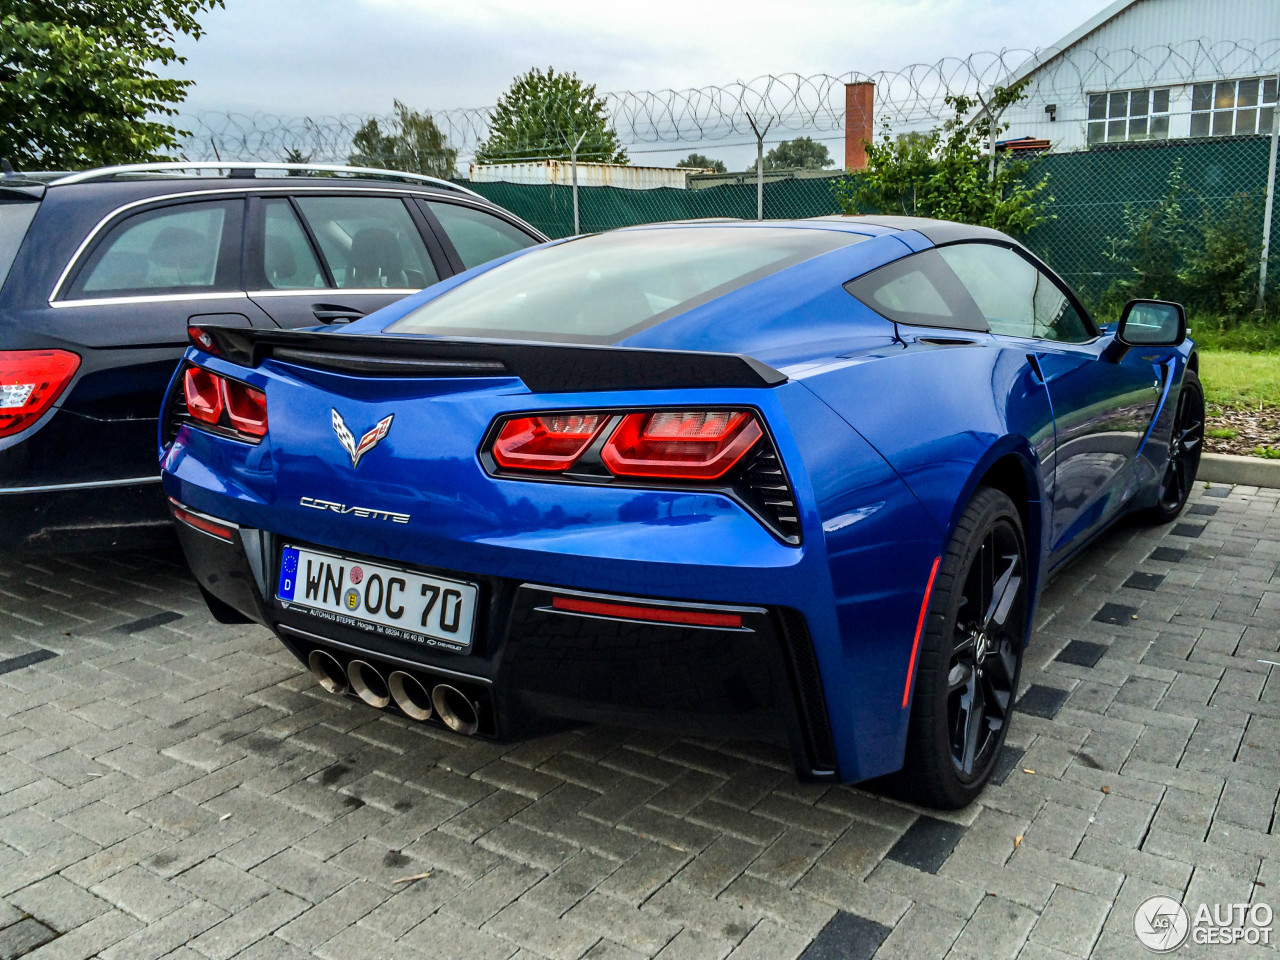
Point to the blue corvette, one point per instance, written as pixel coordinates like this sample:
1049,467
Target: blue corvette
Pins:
792,480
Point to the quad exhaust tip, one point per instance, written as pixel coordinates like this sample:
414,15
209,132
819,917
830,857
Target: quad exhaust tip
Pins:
367,684
453,707
328,672
409,695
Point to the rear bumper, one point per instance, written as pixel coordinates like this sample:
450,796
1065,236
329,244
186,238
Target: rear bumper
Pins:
529,662
81,517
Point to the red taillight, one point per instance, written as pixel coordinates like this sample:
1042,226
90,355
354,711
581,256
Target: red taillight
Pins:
246,408
203,391
551,442
685,445
203,524
221,402
30,381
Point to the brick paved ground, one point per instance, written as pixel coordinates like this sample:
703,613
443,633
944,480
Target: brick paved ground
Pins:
169,787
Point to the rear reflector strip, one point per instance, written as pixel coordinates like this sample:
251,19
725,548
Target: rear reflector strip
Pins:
915,645
627,611
203,524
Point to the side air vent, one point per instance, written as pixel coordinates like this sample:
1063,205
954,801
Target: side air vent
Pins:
808,684
764,484
175,412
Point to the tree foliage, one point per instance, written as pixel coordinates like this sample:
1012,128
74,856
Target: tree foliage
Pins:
1209,262
412,142
542,115
697,161
77,80
802,153
947,172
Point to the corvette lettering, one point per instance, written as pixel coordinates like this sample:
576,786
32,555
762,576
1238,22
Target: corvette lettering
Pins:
368,513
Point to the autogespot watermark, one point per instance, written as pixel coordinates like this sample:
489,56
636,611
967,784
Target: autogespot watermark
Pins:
1163,924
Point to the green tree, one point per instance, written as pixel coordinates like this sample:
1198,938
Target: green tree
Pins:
412,142
697,161
542,115
947,172
77,84
802,153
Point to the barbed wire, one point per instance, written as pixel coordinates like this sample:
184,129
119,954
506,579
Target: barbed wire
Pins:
911,98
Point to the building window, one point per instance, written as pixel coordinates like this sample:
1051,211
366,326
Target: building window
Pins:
1129,115
1233,107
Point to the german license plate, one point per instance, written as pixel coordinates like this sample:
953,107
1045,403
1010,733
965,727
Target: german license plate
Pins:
388,601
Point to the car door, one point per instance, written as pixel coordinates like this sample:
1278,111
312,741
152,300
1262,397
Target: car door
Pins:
473,236
1102,407
125,305
331,258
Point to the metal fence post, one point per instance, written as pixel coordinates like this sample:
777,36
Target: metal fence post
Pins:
573,163
1266,213
759,164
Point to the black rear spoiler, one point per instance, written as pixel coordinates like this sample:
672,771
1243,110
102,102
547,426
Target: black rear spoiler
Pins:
544,367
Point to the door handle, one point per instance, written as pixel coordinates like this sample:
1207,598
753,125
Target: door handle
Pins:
335,313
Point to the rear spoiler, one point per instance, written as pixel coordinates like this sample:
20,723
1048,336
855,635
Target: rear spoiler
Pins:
544,367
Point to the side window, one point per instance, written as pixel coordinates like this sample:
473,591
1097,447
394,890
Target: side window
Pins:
919,290
170,250
1016,298
477,236
369,243
288,262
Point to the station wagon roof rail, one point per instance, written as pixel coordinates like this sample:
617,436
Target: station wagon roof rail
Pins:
238,166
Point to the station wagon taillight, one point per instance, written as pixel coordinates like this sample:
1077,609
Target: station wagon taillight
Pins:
228,405
30,382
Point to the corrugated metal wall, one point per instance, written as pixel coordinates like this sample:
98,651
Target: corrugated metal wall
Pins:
1153,43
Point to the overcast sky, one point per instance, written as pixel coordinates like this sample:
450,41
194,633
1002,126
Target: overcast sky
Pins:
325,57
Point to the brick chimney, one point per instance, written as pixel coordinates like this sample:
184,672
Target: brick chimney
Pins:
859,122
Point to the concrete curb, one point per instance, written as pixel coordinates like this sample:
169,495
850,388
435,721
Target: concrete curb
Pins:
1227,468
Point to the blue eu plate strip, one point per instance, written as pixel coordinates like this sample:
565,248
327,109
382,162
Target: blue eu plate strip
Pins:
288,574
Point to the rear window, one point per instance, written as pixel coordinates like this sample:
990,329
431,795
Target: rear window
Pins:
603,288
15,217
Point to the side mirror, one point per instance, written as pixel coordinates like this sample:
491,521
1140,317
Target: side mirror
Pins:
1152,323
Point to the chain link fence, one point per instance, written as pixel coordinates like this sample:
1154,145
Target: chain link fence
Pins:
1157,159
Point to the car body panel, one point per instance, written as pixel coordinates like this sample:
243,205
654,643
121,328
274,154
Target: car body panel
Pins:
884,431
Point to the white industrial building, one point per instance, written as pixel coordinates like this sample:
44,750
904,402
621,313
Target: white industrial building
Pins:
1154,70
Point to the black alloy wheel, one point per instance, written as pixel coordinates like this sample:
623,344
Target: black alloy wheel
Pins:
1185,446
970,658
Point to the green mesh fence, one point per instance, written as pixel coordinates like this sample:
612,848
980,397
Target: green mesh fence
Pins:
1221,179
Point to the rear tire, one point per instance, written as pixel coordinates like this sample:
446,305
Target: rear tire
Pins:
970,657
1186,443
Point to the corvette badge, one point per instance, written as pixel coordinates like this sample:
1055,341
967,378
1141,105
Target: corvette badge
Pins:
367,442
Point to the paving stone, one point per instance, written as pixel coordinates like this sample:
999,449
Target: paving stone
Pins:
1071,922
58,903
1041,701
22,938
926,844
997,930
847,937
1082,653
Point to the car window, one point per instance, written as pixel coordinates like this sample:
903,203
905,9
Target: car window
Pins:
369,243
602,288
15,217
1017,299
478,236
173,249
920,290
288,262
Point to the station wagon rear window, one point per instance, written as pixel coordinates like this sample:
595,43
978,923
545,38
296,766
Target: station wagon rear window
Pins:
603,288
15,217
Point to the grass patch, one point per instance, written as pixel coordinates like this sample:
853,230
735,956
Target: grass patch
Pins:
1213,334
1234,378
1222,433
1268,453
